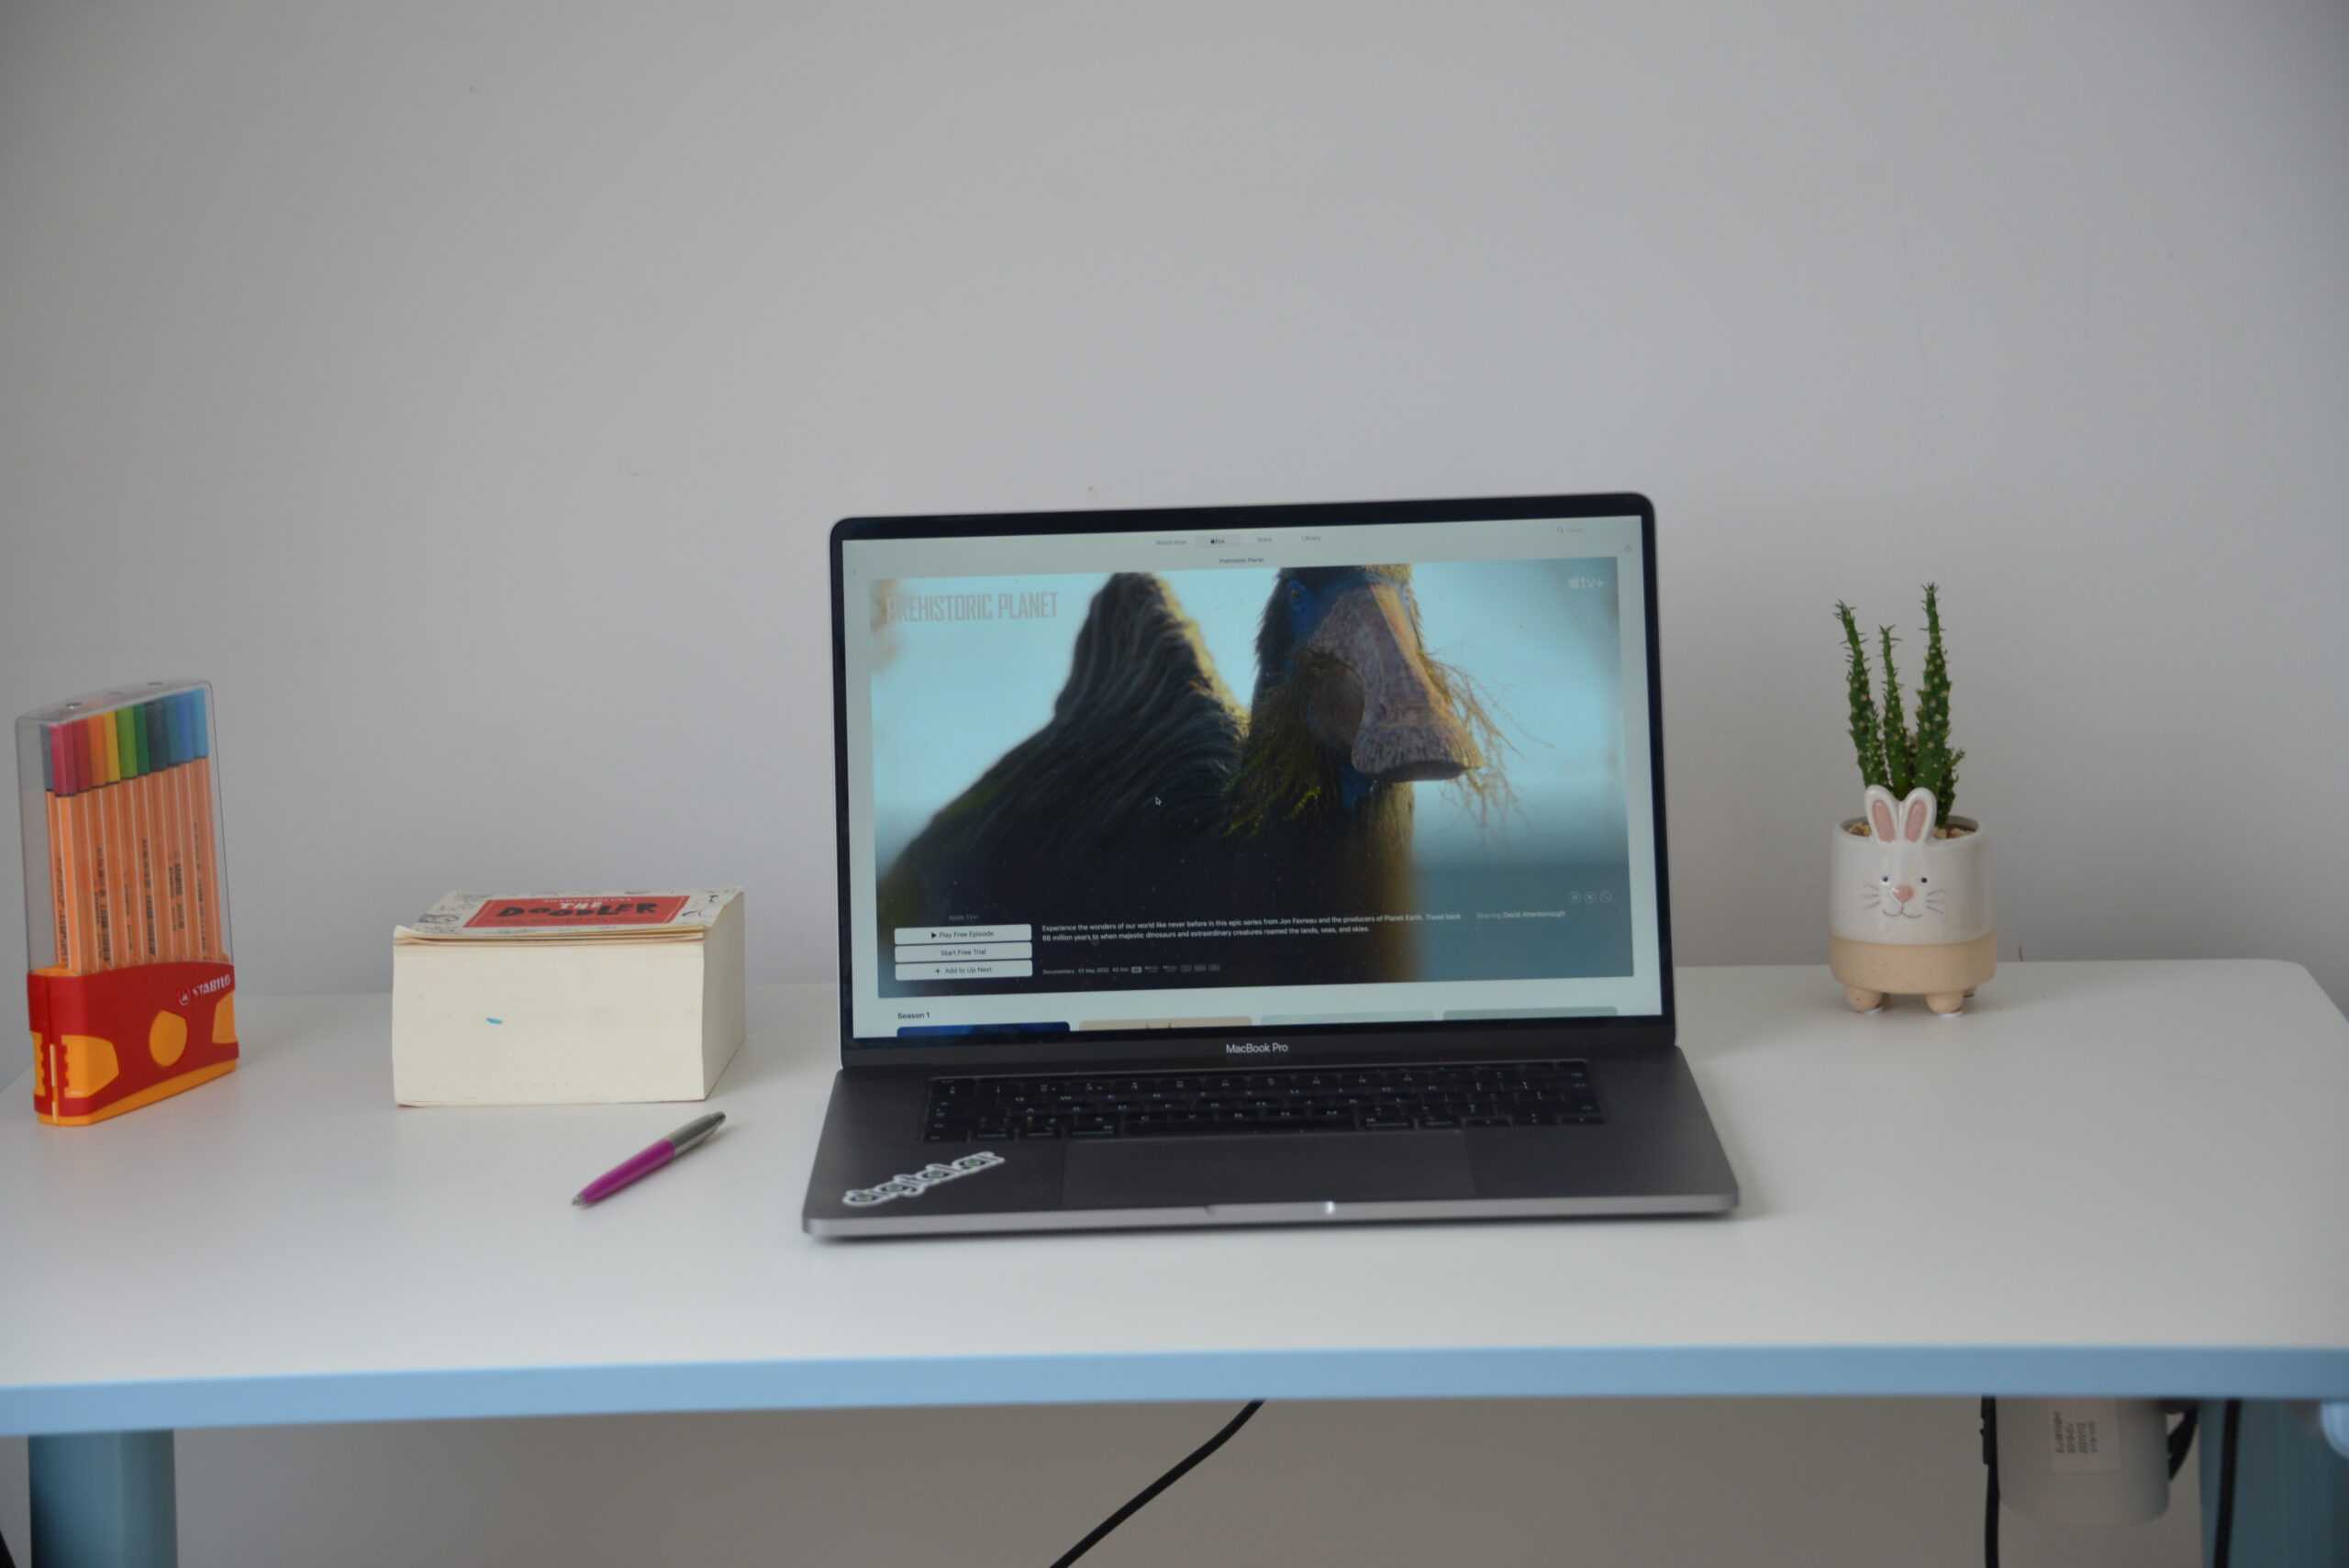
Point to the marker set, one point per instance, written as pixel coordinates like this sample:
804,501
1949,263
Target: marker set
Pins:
125,912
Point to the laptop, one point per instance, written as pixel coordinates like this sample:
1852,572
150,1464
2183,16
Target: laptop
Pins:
1290,864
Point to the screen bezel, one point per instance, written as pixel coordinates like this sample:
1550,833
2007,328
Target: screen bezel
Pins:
1141,1049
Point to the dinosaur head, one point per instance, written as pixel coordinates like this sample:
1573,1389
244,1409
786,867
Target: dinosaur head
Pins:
1345,640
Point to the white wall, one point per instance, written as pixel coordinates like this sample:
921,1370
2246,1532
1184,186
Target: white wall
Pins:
466,389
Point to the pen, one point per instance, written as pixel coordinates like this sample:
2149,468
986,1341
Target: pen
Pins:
651,1159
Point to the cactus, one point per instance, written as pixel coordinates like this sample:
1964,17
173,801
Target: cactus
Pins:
1936,765
1899,745
1890,753
1864,735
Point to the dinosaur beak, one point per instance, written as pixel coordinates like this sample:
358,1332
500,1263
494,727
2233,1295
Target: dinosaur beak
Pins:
1383,704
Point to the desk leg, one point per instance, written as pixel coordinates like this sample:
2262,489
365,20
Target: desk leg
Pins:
104,1498
2291,1490
2334,1415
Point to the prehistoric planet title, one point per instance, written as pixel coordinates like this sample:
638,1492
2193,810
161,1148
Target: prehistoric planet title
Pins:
901,608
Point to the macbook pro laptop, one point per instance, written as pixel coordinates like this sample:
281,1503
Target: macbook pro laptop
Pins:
1250,865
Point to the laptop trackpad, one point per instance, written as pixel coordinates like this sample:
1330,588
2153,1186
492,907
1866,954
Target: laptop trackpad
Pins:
1359,1167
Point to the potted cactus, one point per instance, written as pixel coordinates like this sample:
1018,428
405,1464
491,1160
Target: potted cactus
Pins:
1908,906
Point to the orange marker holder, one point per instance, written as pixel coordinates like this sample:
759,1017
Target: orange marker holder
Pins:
110,1042
130,992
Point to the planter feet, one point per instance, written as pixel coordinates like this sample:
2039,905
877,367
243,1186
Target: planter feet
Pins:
1863,1001
1947,1003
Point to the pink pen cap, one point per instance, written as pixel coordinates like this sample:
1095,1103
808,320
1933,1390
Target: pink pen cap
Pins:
637,1166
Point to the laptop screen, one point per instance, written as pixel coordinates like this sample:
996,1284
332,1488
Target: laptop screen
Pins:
1359,768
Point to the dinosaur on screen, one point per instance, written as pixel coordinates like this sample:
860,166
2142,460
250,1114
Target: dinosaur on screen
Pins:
1150,793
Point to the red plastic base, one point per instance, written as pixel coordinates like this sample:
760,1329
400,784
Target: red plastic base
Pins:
110,1042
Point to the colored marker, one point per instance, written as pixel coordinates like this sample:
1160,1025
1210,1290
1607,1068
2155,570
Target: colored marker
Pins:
60,851
206,853
105,868
170,714
137,787
72,772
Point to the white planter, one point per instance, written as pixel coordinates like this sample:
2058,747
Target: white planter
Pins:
1906,913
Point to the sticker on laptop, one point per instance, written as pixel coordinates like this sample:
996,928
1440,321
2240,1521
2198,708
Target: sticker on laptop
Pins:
913,1184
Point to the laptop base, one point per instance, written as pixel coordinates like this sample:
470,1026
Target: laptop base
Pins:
1656,1153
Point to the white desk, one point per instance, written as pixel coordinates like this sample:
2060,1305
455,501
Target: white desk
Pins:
2107,1178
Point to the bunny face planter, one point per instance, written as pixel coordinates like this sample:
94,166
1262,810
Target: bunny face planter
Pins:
1909,913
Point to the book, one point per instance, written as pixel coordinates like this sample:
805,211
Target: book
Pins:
532,999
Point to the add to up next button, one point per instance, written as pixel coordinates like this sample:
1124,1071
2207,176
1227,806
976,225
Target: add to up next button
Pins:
996,969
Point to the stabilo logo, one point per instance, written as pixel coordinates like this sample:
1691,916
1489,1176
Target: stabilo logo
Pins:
217,982
913,1184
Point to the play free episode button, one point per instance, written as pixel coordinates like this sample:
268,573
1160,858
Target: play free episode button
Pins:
908,936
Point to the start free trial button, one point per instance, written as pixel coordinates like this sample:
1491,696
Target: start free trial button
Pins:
957,952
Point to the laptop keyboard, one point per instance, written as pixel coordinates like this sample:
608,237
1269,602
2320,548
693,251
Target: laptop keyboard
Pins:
1353,1100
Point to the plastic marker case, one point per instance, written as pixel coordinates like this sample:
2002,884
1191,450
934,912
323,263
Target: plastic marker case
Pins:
130,992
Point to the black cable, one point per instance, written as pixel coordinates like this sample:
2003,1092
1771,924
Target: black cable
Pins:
2181,1439
1990,1496
2226,1530
1155,1487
